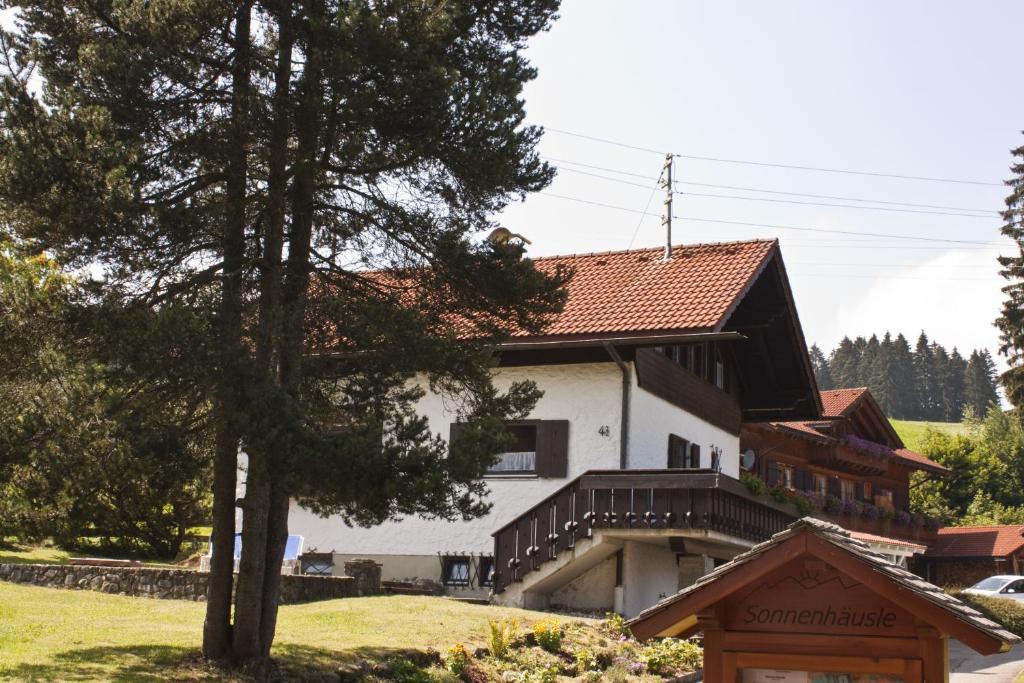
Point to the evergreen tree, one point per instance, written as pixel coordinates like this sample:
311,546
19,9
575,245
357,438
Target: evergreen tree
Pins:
924,377
1011,320
843,363
249,153
820,365
904,387
865,355
954,389
880,377
980,382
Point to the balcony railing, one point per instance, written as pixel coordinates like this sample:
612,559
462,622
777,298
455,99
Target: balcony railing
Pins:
631,499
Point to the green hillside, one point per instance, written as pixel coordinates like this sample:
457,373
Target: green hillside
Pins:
912,432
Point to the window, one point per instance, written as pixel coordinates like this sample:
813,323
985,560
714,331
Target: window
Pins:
848,492
1014,587
486,569
521,456
883,498
867,490
682,454
786,476
820,484
455,571
719,371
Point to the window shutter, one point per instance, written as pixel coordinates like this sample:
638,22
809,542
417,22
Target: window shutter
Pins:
694,455
553,448
835,488
773,473
803,480
858,490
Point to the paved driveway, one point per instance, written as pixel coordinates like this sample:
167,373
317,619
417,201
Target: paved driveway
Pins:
969,667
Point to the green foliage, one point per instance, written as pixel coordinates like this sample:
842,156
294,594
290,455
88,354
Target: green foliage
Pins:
1008,613
615,625
548,634
671,656
457,659
502,633
926,383
986,483
1011,319
546,675
754,484
586,661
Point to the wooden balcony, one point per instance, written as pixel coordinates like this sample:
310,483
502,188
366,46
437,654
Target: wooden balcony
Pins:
632,499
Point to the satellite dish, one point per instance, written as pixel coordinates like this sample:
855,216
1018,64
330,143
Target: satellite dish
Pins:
747,459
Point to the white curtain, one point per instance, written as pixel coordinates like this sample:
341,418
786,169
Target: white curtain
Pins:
520,461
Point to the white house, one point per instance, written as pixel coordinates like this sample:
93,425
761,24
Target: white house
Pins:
622,486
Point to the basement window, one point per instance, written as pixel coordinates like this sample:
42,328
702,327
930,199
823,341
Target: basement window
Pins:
455,571
521,457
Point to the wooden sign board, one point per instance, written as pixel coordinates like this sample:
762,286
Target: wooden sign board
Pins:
809,596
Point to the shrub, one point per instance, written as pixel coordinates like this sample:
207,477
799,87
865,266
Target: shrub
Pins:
803,505
457,659
586,661
501,635
885,514
548,634
754,484
615,625
545,675
832,504
780,494
851,508
1009,613
670,656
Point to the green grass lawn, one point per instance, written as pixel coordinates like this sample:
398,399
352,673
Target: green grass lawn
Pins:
16,553
913,432
49,634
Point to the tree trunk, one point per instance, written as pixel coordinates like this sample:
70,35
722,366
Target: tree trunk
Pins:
217,632
217,627
294,290
246,643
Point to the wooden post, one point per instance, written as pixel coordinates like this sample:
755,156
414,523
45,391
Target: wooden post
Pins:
934,654
714,642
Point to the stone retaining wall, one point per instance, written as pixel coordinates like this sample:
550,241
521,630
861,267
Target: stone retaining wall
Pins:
179,584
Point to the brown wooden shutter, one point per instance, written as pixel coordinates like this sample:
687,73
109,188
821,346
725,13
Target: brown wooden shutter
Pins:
858,490
552,448
803,480
835,488
773,473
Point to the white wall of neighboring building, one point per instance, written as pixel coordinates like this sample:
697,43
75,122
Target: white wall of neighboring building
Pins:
652,419
588,395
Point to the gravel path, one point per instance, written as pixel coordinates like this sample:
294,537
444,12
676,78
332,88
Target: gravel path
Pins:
969,667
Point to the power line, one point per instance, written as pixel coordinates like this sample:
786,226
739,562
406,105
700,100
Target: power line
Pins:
758,189
820,169
775,226
787,201
636,230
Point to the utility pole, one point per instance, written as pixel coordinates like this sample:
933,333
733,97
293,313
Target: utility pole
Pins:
666,220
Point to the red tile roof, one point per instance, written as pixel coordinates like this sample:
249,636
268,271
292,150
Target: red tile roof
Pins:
872,538
978,541
835,402
914,458
637,291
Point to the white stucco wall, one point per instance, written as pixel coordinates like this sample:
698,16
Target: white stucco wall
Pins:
588,395
652,419
592,591
649,573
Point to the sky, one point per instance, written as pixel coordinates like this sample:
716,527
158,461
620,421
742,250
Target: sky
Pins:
910,88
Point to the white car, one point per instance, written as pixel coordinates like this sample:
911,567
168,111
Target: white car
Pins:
1007,586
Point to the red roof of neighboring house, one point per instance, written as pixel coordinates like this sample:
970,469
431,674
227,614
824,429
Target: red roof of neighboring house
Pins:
835,402
872,538
914,458
638,291
978,541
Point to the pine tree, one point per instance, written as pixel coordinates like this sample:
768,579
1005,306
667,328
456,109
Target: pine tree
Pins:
954,395
880,378
250,153
820,364
843,363
904,386
1011,320
924,378
980,382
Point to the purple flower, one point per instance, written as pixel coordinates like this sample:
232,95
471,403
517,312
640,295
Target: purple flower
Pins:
869,512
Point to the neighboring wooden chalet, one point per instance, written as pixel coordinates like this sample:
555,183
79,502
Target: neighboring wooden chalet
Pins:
962,556
851,466
624,484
